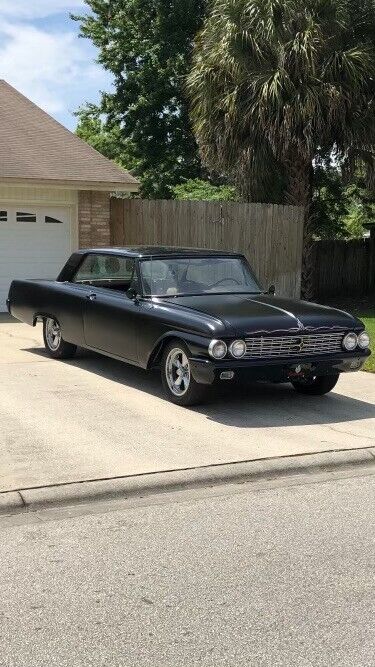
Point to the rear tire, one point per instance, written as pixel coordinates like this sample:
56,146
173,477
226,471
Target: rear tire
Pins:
55,345
317,386
178,382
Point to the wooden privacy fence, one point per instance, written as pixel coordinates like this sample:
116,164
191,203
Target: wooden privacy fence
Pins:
269,235
344,268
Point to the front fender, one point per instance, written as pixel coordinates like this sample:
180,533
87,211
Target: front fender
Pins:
197,345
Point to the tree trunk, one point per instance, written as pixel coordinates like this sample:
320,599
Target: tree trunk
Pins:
299,172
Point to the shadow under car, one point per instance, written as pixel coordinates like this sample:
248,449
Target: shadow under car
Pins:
253,405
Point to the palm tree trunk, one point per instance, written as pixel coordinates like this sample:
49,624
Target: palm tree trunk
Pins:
299,193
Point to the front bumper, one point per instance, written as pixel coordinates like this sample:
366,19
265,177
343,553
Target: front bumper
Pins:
208,371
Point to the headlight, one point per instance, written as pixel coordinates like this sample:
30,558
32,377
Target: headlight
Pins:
350,341
363,340
237,348
217,349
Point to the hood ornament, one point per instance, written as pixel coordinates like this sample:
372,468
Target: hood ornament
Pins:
299,323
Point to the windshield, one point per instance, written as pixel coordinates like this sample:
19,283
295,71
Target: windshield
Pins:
192,275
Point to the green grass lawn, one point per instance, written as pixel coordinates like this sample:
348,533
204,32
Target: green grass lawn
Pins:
365,310
368,319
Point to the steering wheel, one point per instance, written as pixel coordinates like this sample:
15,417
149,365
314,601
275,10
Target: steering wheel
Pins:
225,280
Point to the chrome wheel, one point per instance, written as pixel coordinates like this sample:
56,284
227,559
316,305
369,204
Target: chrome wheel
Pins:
177,372
53,334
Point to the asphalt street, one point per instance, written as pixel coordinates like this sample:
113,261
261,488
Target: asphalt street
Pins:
273,576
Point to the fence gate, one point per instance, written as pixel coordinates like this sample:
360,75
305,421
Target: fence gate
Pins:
344,268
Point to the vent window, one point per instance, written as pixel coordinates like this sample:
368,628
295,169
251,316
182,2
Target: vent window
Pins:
21,216
53,220
3,216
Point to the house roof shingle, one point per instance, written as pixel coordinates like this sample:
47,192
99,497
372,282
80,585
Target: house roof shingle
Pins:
36,148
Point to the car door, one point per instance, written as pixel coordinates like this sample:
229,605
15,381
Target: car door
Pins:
110,317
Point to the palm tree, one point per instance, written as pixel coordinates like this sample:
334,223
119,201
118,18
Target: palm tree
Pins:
276,81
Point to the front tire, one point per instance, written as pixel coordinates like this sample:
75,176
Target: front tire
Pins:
316,386
55,345
176,376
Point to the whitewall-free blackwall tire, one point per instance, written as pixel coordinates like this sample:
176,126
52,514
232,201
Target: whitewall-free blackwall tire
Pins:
317,386
178,382
54,343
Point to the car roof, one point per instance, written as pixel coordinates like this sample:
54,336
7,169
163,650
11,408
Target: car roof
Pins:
159,251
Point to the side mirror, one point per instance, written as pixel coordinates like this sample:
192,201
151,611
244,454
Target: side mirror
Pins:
272,289
132,294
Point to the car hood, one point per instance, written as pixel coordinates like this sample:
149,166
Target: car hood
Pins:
248,314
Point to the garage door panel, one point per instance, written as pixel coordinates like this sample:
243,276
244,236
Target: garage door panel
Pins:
14,242
12,257
33,271
32,249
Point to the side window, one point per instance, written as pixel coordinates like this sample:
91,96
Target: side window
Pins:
118,268
3,216
106,271
89,269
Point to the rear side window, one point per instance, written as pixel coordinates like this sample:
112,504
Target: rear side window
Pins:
105,268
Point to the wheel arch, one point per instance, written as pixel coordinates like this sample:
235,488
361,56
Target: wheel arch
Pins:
157,352
197,345
42,316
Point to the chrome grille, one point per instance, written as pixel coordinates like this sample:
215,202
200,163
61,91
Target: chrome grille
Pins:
293,346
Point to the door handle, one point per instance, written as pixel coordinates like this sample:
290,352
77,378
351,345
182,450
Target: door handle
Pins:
91,296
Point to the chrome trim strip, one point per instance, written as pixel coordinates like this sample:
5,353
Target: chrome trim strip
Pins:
308,328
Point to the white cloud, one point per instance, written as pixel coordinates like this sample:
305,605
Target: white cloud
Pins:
56,70
45,66
33,9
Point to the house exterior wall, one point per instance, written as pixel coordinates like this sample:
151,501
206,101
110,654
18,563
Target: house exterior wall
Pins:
37,195
93,219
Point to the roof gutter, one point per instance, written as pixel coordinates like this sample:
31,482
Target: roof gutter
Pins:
101,186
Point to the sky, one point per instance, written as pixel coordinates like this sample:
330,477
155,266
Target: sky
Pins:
42,56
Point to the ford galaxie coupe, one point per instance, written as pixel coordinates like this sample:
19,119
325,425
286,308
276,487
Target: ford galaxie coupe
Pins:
199,315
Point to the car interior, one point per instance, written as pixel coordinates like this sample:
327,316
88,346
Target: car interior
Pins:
163,278
110,272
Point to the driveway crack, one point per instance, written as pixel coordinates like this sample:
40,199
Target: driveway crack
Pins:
24,504
354,435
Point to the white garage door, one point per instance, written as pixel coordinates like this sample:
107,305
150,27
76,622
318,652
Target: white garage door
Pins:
34,243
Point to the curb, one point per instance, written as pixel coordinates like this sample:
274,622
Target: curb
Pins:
142,485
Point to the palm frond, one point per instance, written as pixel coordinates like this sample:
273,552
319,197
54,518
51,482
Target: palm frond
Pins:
277,78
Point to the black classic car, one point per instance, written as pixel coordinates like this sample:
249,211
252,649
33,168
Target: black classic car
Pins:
200,315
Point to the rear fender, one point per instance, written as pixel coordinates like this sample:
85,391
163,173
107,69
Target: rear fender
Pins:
40,317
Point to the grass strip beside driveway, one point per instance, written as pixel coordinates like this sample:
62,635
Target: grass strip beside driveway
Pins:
368,319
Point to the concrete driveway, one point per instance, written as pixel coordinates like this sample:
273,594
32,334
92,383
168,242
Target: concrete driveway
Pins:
94,418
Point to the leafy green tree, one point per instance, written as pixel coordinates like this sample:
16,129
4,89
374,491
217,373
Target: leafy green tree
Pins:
330,205
275,80
204,190
147,46
340,210
106,138
361,207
